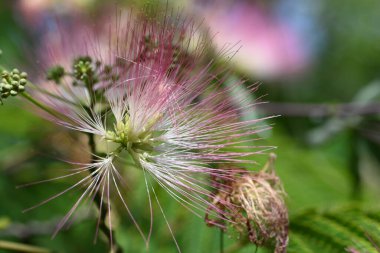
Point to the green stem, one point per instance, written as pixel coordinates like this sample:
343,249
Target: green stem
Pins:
90,88
44,107
19,247
221,240
55,96
237,246
98,201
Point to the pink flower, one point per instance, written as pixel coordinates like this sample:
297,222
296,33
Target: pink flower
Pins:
269,49
149,100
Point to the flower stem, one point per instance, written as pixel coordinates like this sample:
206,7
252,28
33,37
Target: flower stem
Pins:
221,241
237,246
98,202
19,247
45,108
40,105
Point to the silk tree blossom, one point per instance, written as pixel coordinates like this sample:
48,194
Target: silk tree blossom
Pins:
269,49
152,100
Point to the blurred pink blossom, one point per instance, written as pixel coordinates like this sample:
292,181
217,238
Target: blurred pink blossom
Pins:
269,49
34,11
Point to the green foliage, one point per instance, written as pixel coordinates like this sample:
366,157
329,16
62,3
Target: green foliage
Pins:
314,177
335,231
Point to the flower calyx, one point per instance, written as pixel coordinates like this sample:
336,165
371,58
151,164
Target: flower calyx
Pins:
122,134
139,145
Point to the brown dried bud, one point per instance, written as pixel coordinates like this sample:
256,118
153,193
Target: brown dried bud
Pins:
254,203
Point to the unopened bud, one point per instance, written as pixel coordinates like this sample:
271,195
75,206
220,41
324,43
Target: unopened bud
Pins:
24,75
7,87
12,83
23,81
254,202
55,74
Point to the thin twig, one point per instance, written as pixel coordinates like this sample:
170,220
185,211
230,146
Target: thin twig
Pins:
19,247
320,110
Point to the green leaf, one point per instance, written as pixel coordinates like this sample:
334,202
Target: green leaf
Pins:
335,231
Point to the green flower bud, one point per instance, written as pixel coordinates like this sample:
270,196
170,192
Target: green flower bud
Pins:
12,83
7,87
107,69
85,71
24,75
23,81
55,74
83,59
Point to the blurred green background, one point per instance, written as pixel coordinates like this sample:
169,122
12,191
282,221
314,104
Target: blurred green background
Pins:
318,63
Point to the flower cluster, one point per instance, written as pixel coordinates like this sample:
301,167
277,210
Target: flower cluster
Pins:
143,91
12,83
